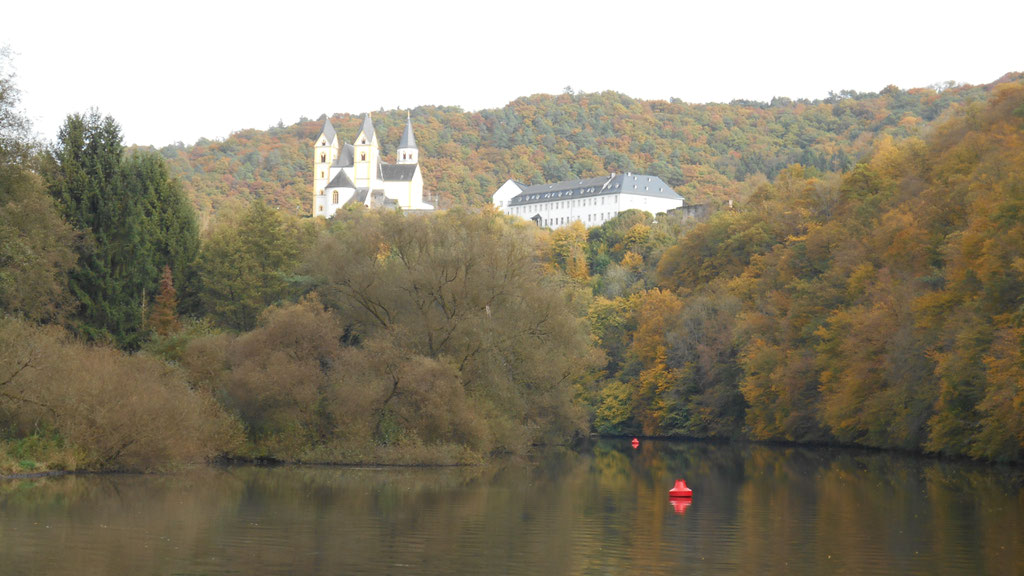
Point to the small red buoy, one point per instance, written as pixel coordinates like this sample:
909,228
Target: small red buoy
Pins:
636,443
680,490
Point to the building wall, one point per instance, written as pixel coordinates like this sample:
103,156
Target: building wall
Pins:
409,195
592,211
508,191
324,204
322,170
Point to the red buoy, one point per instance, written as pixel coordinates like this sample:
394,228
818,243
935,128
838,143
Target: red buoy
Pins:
636,443
680,490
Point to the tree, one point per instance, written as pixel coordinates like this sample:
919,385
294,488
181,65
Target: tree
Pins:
133,219
164,316
36,246
469,290
245,266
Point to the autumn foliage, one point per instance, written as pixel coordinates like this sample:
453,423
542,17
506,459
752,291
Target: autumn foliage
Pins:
881,307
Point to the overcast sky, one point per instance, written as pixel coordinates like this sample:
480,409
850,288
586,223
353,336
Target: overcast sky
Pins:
178,71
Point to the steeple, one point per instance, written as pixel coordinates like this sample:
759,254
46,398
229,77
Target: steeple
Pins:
325,152
407,151
366,166
366,133
327,134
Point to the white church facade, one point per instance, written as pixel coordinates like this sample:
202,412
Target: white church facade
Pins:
592,201
344,173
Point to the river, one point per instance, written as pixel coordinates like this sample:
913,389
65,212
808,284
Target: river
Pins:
600,510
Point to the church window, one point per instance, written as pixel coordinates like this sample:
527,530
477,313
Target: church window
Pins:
362,156
363,141
323,157
335,196
321,173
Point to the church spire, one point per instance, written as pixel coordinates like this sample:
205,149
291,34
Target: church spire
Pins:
408,140
366,132
407,151
328,130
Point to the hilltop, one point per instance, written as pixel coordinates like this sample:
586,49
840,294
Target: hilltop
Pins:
708,152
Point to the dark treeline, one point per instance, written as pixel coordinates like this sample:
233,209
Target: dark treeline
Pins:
707,152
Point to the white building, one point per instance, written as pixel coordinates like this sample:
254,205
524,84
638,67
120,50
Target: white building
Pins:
344,173
592,201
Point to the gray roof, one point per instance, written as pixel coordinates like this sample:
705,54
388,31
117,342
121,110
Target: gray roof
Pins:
639,184
347,158
407,140
359,196
367,128
328,130
379,200
341,181
397,172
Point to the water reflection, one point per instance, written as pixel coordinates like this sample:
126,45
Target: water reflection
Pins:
603,510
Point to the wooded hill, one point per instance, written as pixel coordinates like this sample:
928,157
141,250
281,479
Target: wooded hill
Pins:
708,152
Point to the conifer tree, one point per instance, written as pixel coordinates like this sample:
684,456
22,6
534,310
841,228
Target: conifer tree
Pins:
163,319
134,220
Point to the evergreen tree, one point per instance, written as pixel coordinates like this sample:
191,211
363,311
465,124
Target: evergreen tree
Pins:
244,266
134,219
163,319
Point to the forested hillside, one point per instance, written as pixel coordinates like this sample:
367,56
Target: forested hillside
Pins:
866,286
882,307
705,151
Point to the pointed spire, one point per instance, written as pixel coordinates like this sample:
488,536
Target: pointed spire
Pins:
367,129
328,130
408,140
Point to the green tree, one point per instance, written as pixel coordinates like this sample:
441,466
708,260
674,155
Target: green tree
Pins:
245,265
134,221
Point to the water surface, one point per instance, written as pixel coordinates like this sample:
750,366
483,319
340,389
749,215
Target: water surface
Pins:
602,510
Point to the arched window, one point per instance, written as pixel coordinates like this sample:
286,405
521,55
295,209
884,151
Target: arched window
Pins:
323,157
362,156
335,196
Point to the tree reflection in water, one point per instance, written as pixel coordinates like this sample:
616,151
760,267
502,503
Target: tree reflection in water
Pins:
603,509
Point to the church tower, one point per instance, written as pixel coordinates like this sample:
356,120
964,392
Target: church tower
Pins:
407,151
325,152
367,156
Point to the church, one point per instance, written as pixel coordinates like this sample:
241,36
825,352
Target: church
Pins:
344,173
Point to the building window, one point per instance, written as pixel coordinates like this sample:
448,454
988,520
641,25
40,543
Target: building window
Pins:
321,173
335,196
363,141
323,157
362,156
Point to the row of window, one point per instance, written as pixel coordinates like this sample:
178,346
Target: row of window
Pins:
591,219
561,205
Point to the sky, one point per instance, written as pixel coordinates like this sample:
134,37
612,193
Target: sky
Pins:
178,71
